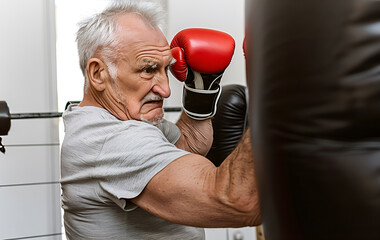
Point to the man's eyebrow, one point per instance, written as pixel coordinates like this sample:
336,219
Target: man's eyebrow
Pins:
148,63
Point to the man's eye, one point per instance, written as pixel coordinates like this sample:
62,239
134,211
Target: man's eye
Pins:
148,70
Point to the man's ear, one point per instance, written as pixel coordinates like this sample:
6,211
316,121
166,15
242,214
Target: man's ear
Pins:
97,74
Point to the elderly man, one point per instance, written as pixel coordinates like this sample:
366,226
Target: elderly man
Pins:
126,172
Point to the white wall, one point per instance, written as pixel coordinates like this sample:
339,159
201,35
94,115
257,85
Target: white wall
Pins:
29,171
69,76
25,56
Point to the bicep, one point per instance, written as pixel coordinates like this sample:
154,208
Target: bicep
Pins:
176,189
184,192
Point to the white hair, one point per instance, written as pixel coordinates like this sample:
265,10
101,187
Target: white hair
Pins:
97,33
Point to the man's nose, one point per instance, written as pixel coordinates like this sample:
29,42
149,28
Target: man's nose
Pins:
161,85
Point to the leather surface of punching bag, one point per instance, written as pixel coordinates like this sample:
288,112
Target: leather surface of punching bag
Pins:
313,71
229,122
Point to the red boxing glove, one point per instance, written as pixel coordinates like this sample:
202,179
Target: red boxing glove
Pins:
201,56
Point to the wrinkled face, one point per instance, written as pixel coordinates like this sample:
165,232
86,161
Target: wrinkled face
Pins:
142,81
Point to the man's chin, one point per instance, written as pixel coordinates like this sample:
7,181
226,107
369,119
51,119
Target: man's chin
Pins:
154,121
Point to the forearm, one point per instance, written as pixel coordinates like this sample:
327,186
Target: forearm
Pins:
235,181
196,136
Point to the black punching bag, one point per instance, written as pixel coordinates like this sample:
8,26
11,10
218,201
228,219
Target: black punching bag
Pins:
313,70
229,122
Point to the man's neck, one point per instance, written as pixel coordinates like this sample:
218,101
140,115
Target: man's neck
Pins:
115,109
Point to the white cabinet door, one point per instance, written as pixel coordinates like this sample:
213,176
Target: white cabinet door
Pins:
29,170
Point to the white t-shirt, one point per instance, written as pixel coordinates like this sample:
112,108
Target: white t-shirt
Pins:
105,162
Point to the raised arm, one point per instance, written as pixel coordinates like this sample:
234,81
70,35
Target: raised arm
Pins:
191,190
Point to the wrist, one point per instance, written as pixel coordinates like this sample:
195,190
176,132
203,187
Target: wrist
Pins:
196,135
200,104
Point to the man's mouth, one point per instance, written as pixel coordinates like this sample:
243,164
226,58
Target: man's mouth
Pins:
153,103
150,102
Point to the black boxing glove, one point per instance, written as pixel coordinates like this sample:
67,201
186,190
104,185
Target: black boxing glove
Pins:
229,122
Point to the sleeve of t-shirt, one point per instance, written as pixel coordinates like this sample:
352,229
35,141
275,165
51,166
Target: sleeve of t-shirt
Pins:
130,158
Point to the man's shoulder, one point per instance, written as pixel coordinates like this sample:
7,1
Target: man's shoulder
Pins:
98,123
